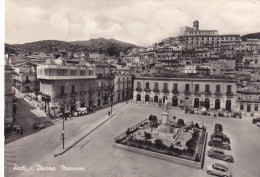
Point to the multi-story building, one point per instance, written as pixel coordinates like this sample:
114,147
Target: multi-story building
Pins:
220,66
96,56
249,99
66,87
122,84
184,90
104,84
24,77
194,37
9,96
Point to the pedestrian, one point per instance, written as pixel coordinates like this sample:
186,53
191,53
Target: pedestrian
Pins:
108,113
21,131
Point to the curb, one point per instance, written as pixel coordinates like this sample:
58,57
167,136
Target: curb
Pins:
89,132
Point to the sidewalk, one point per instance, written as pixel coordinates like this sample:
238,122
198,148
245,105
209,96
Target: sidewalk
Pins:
84,134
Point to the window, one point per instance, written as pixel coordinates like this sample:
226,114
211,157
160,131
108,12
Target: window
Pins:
217,88
197,87
165,85
207,88
138,84
187,87
73,72
241,107
229,88
147,85
175,86
256,107
62,90
82,72
73,89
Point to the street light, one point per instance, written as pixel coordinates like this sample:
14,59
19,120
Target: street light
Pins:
63,132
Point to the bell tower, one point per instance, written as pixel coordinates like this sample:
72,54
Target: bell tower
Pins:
196,25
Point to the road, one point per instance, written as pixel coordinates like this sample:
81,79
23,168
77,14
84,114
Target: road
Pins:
25,118
99,158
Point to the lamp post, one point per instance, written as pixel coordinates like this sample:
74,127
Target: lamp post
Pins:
63,132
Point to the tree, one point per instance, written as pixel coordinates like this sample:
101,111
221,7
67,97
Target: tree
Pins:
181,122
147,136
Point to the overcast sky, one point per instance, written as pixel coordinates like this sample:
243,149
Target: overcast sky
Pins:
141,22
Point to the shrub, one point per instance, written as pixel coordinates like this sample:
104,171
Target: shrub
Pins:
197,158
133,145
159,144
196,125
191,151
128,132
139,146
180,122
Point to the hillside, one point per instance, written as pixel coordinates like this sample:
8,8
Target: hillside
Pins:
110,47
250,36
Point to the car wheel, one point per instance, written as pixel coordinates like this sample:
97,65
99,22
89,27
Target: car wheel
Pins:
213,156
227,148
229,160
213,145
209,172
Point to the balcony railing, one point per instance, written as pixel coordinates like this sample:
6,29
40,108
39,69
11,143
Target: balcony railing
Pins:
139,89
175,91
229,93
73,94
165,90
207,93
197,92
83,92
218,93
156,90
62,96
187,92
147,89
91,91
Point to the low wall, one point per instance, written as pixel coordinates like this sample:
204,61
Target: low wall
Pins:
162,156
203,150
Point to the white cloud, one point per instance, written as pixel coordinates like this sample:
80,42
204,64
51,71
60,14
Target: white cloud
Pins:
140,22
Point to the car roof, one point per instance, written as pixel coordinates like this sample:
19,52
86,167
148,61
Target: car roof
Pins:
220,165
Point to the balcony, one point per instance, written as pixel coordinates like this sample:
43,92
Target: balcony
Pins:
187,92
175,91
62,96
197,92
147,89
218,93
156,90
73,94
83,92
139,89
229,94
91,91
207,93
165,90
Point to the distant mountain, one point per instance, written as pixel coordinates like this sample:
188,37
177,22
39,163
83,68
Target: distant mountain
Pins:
110,47
251,36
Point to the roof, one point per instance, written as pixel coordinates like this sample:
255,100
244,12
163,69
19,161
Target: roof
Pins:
220,165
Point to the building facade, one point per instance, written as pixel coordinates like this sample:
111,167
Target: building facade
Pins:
8,96
213,93
66,87
249,100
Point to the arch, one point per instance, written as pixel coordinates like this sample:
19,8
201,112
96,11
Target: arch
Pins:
196,103
138,97
228,105
147,98
174,101
207,103
156,99
217,104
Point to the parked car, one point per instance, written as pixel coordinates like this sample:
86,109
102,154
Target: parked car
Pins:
220,135
189,124
258,124
217,142
38,125
200,125
255,120
220,154
219,170
218,127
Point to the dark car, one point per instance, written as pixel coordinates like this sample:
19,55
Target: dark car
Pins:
38,125
220,154
217,142
221,136
218,127
255,120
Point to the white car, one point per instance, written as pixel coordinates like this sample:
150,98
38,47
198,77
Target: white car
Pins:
219,170
200,124
258,124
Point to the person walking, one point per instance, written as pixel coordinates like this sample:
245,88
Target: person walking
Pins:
108,113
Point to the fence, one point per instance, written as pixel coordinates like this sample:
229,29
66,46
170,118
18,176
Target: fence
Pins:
131,129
